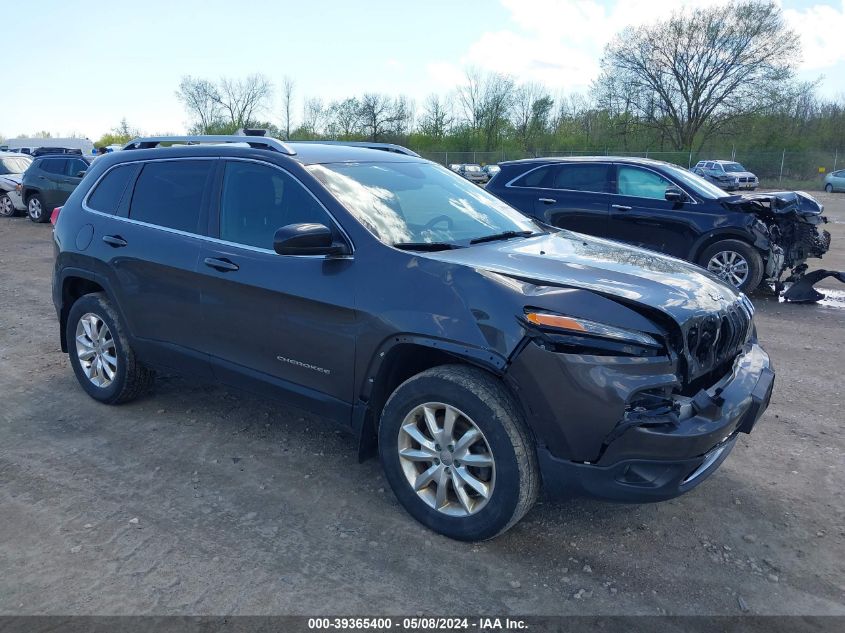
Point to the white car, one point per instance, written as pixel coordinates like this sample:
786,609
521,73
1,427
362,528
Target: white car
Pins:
12,166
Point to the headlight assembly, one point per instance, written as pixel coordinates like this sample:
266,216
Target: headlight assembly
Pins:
584,327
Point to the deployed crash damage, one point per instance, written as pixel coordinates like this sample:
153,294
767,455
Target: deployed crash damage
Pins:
788,231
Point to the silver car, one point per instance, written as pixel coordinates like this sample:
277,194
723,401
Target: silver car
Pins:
473,173
835,181
726,174
12,166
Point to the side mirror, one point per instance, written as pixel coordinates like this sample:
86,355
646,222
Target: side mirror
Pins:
673,194
307,239
80,174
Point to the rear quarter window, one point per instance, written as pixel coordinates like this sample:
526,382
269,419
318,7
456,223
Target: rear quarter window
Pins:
535,178
170,193
109,192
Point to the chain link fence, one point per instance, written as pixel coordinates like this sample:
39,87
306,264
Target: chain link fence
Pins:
774,168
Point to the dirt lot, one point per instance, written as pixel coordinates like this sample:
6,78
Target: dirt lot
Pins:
199,500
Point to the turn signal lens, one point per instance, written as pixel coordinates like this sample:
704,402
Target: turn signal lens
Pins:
592,328
555,320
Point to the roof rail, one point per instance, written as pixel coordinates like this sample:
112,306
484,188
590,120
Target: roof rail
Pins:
387,147
259,142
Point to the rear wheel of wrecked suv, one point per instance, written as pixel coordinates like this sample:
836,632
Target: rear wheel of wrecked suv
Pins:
734,261
100,355
457,453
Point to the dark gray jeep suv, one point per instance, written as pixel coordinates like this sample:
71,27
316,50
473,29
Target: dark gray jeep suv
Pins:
481,354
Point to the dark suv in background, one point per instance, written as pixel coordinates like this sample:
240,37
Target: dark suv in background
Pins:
741,239
48,182
481,354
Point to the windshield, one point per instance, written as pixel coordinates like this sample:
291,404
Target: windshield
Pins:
418,203
695,182
14,165
734,167
472,167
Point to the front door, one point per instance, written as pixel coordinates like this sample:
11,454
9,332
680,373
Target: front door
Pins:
641,215
285,320
70,179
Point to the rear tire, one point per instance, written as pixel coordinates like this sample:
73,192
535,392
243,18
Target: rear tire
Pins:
36,210
489,451
7,208
736,262
100,354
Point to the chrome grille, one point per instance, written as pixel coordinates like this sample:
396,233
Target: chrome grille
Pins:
713,340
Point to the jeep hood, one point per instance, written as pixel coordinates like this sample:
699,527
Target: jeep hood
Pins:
572,260
9,181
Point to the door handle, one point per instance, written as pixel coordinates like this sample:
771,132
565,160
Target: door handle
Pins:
620,207
223,265
547,200
114,240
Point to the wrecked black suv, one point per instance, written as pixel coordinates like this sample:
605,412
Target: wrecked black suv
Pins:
480,354
745,239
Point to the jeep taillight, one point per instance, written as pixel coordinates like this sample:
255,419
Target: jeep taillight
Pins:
55,215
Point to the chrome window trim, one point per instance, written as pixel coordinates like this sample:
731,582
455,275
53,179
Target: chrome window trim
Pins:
208,238
510,184
691,199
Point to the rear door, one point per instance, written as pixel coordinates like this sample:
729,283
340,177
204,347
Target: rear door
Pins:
50,181
577,197
641,215
154,250
288,321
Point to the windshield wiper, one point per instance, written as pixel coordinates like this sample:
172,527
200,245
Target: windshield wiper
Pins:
504,235
425,246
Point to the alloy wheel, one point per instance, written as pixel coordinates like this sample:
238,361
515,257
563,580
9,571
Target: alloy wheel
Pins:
34,208
95,350
7,209
446,459
730,266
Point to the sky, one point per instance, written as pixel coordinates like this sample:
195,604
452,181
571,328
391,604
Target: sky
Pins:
79,67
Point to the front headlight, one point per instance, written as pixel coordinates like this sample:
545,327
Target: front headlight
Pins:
585,327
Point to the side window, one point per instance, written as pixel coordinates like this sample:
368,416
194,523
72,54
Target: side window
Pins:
535,178
54,165
581,177
74,166
109,191
708,165
169,193
258,199
633,181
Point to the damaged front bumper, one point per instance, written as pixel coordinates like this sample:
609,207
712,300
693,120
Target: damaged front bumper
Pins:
639,457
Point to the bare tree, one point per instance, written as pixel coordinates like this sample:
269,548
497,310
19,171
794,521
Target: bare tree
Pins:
437,117
241,100
486,100
201,100
346,117
287,104
314,117
692,74
531,112
381,115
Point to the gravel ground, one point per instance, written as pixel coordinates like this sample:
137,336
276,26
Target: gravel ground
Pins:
201,500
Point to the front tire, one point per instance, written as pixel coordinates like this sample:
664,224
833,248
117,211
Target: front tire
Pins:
457,453
736,262
829,188
7,208
36,210
100,354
